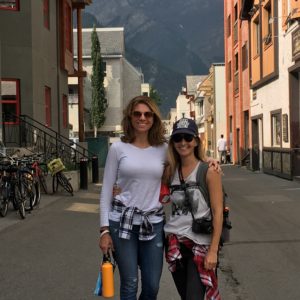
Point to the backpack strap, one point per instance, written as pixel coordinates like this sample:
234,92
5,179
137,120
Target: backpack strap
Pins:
201,181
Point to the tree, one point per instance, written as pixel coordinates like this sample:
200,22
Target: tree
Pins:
99,101
155,96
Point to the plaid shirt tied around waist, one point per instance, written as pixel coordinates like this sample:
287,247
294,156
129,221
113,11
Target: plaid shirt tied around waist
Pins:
126,220
208,277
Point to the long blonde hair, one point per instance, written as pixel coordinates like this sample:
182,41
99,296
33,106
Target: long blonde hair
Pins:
156,132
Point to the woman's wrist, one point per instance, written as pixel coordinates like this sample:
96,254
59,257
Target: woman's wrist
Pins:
103,228
102,233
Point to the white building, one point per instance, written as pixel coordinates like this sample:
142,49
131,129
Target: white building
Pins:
122,82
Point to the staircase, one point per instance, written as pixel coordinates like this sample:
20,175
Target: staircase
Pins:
30,136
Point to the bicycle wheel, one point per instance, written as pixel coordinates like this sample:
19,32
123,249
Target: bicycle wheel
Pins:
28,191
37,193
64,182
54,183
19,200
43,183
3,202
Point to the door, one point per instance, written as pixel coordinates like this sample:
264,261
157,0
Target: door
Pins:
255,145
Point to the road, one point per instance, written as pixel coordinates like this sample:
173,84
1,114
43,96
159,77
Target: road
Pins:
262,261
53,253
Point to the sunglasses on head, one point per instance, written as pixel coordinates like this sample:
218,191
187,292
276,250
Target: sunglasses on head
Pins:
138,114
179,137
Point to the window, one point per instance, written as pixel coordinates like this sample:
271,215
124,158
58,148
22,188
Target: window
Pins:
65,111
9,4
68,24
276,129
229,71
228,26
245,56
256,36
46,14
48,106
201,104
10,100
235,13
236,72
236,64
268,21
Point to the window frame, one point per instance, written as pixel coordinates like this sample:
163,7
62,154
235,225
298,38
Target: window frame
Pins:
68,26
276,139
229,71
245,56
16,101
256,27
16,8
267,24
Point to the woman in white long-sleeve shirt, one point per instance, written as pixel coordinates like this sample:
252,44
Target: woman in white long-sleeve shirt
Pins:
131,223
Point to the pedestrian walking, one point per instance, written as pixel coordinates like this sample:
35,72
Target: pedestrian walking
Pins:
131,216
192,253
222,147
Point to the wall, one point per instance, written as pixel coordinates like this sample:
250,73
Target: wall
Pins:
182,107
132,82
16,49
220,102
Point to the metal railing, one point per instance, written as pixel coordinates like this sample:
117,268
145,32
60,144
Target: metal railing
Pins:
30,134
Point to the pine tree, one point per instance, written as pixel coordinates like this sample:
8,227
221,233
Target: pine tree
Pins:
99,101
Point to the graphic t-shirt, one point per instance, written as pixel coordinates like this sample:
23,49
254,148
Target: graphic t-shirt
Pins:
180,222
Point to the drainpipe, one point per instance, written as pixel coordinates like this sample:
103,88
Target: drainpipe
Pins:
57,65
80,78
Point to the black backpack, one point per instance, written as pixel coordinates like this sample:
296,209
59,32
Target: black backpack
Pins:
201,182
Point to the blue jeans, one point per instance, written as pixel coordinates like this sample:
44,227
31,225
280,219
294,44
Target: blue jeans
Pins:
130,254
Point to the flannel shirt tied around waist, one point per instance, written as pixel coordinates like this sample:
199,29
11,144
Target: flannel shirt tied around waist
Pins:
126,220
208,277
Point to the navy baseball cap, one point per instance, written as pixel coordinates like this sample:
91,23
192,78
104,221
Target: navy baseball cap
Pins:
185,125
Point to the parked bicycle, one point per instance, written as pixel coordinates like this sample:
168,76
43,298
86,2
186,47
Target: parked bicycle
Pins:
16,186
56,168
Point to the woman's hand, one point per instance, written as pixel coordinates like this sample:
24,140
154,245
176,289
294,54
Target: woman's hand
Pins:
210,260
116,190
215,164
106,243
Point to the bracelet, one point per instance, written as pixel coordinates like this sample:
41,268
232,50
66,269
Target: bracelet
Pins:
104,232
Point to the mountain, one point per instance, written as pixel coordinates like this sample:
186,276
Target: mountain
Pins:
168,39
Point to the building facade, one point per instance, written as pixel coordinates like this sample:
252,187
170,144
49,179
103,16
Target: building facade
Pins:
36,60
236,36
274,37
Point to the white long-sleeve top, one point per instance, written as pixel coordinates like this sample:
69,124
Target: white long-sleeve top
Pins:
138,173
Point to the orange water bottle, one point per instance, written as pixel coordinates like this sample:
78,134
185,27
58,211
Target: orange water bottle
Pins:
107,279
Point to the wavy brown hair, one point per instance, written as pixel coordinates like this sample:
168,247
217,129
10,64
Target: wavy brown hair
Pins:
156,132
